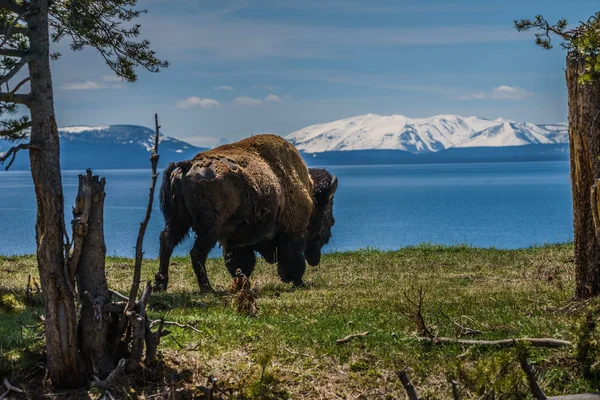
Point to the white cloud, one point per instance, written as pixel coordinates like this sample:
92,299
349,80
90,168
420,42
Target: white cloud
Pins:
502,92
228,88
87,85
272,98
247,101
195,101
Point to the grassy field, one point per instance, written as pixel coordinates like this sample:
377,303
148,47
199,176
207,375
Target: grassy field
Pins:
289,349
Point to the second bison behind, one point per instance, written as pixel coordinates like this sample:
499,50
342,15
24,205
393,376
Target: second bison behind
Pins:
253,195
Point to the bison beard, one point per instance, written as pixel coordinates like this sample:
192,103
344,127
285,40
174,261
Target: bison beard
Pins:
253,195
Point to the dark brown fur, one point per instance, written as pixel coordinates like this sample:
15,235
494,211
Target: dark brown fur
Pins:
253,195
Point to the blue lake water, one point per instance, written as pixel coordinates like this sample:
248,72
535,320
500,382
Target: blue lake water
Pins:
504,205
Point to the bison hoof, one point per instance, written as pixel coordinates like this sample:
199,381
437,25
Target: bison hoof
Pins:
206,289
160,284
299,283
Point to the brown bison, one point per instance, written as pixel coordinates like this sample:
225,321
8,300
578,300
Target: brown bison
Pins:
253,195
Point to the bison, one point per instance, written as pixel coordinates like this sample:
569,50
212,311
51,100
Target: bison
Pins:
255,195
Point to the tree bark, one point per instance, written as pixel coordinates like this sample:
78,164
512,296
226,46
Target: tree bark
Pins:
88,229
584,139
59,303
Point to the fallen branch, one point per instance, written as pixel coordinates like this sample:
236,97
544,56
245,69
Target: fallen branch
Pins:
535,342
10,388
539,394
408,386
174,324
350,337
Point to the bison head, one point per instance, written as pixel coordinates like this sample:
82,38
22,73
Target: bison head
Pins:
325,185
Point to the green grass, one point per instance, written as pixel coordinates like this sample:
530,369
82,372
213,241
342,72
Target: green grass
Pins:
289,348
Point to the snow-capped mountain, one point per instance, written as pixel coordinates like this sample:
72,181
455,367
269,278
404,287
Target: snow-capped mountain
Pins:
123,134
114,146
424,135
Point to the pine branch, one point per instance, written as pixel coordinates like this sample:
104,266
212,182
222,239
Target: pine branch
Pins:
15,98
13,53
20,64
12,6
12,28
12,152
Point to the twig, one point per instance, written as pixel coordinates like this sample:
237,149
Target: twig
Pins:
538,393
408,386
296,353
13,152
10,388
110,381
417,315
463,329
455,390
350,337
535,342
174,324
137,272
119,295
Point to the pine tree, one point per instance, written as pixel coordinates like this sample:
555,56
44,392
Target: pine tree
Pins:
583,83
27,28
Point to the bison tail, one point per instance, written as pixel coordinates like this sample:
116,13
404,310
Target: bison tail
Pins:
167,203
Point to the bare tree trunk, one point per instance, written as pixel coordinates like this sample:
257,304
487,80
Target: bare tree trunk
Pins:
60,311
584,138
88,260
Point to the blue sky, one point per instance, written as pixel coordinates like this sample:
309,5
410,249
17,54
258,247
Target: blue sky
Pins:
245,67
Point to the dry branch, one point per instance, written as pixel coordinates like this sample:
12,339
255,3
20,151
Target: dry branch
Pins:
408,386
350,337
10,388
111,380
137,272
417,314
160,321
535,342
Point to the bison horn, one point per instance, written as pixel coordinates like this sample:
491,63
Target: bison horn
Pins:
334,185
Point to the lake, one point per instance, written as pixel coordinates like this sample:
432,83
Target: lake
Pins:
503,205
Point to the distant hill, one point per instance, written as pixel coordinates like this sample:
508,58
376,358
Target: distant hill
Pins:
111,147
356,141
422,136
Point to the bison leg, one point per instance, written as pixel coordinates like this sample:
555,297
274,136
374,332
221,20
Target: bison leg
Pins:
291,263
173,234
199,253
239,257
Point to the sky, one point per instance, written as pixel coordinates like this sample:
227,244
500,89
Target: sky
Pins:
242,67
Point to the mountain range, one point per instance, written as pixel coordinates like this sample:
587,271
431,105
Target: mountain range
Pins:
424,135
364,139
111,147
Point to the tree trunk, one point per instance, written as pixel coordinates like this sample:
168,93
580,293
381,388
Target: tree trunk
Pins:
88,261
584,139
60,311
